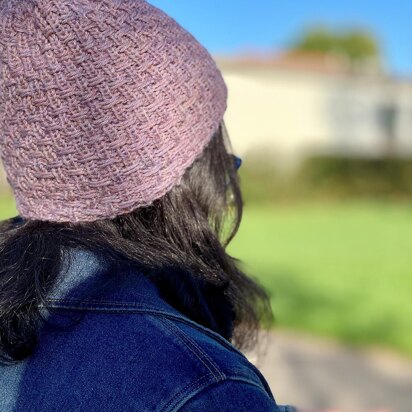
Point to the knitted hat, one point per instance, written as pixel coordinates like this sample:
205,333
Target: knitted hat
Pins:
103,105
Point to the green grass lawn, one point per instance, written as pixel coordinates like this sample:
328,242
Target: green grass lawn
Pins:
339,270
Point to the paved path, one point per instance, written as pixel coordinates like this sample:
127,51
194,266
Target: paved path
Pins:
318,374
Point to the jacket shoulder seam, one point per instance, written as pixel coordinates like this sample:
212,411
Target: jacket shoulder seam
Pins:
192,386
194,348
198,390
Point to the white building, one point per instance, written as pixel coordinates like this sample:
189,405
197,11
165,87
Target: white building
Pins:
296,106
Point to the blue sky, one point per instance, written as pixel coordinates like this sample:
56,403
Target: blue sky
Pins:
229,26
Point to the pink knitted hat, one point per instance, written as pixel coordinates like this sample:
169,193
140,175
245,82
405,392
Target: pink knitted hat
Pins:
103,105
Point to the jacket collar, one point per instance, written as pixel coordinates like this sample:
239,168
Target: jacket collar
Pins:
87,280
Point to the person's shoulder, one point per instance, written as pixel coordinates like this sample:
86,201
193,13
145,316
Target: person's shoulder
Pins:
204,371
147,359
237,385
185,353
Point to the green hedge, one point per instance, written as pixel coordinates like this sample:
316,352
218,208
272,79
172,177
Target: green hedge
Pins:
327,176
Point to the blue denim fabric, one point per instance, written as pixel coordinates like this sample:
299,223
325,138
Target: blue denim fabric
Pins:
127,349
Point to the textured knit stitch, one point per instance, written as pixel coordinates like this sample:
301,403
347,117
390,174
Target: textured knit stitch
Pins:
103,105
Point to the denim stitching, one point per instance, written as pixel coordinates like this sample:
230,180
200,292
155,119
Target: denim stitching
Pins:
144,309
94,301
186,341
99,306
213,363
251,382
186,388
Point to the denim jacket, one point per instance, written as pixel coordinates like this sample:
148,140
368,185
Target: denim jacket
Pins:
111,343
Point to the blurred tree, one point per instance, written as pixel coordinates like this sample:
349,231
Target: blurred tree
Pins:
317,39
358,45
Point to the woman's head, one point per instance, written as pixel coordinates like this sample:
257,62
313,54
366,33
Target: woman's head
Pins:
113,141
179,238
